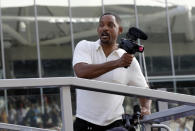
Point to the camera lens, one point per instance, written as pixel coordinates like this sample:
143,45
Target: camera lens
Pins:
141,48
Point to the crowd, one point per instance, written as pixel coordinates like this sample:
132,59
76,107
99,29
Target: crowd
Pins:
27,111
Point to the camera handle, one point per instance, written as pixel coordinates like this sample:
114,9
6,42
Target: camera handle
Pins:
126,118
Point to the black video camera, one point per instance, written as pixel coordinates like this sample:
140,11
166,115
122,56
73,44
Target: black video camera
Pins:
130,122
129,43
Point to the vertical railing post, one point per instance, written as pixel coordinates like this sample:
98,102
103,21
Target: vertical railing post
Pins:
66,108
147,127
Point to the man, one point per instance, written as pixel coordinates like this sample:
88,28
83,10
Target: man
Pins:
104,61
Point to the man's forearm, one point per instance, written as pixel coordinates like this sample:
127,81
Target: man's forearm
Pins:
145,103
89,71
145,106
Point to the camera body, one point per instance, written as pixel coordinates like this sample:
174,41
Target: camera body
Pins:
131,121
130,46
129,43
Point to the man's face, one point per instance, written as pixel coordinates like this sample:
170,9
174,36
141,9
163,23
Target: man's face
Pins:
108,29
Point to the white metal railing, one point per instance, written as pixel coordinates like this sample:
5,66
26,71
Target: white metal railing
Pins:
65,83
161,126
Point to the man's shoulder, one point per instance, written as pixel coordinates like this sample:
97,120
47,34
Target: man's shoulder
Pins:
87,43
120,51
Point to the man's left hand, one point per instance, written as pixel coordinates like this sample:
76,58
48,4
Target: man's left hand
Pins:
145,111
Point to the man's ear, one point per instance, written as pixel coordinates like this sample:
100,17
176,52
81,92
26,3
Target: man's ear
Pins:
120,30
97,29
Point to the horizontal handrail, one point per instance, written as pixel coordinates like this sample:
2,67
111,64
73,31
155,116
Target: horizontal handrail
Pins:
94,85
169,114
171,78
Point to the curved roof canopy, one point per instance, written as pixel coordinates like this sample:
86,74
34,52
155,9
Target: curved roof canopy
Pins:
89,3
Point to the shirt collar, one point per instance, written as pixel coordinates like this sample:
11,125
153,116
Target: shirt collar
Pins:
119,51
98,46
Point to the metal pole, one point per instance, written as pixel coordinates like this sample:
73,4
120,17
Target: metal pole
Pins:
2,46
66,108
145,69
38,54
137,25
142,65
71,27
170,46
103,9
3,60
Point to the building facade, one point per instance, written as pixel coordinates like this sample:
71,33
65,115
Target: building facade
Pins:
38,39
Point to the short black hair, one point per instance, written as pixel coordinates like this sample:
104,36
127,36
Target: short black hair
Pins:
118,19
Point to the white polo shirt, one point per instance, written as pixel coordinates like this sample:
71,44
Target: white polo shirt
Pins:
102,108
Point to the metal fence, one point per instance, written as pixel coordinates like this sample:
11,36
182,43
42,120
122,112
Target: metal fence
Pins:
66,83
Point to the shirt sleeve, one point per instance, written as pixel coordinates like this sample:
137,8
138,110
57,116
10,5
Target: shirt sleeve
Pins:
82,53
136,77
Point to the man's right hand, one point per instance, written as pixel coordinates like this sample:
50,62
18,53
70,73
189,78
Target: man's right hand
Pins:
125,60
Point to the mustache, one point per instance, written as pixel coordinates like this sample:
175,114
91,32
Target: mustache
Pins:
105,33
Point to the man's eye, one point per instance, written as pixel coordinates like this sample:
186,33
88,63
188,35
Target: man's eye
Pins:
101,25
111,25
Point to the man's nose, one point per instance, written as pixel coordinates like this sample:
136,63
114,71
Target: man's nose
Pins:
105,27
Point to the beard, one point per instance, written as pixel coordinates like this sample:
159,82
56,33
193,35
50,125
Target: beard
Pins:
103,41
105,38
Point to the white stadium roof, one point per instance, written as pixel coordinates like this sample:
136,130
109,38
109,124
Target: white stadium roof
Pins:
88,3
